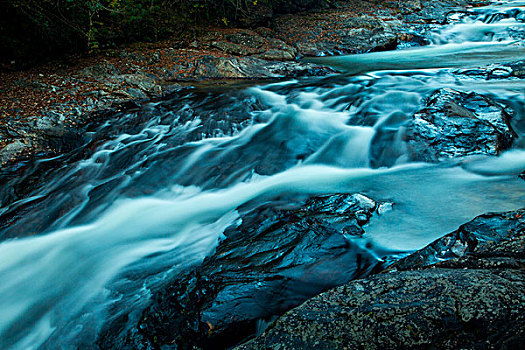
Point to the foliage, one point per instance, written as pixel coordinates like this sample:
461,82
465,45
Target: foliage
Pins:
31,30
40,26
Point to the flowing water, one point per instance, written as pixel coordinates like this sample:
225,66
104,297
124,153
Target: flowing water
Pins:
154,188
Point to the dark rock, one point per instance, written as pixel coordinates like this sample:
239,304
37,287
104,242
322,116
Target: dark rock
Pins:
407,7
266,32
154,58
294,69
248,43
279,256
239,43
458,124
278,54
518,69
130,93
474,237
59,139
474,302
429,11
142,81
132,55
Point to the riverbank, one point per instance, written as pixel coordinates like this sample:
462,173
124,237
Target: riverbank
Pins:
48,103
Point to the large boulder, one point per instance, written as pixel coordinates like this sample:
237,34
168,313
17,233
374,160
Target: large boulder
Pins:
458,124
476,301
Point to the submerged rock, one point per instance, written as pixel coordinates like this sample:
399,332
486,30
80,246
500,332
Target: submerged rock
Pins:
476,301
278,257
458,124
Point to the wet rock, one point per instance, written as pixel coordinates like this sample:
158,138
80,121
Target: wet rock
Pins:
194,44
280,255
154,58
250,43
429,11
278,50
407,7
130,94
518,69
266,32
474,237
294,69
475,302
458,124
278,54
411,40
220,67
346,27
132,55
60,139
496,71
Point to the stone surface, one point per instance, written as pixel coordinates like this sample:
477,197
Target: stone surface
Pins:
252,68
458,124
496,71
475,237
476,301
335,33
279,256
12,150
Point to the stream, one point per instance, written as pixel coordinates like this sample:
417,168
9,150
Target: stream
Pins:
152,190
